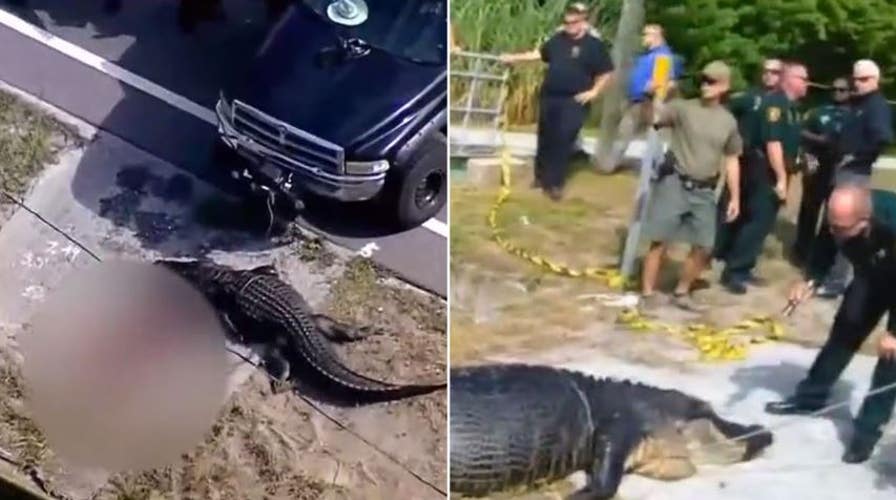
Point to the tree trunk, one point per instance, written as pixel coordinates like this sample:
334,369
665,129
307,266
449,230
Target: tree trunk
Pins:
625,45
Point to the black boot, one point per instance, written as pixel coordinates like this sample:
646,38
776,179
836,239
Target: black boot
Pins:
792,406
860,449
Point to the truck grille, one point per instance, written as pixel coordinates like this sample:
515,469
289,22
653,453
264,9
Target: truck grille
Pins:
299,146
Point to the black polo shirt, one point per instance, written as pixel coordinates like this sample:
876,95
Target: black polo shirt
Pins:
573,64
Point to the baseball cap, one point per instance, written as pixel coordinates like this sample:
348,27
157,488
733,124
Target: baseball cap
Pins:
717,70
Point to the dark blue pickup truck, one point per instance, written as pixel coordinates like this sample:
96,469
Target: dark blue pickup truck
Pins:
347,99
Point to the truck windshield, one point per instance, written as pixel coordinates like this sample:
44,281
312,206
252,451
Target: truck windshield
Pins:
412,29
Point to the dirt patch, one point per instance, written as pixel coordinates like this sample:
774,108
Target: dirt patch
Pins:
279,446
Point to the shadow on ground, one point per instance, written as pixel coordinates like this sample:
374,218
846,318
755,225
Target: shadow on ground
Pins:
782,380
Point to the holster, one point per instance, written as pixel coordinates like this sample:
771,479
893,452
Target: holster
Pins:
669,166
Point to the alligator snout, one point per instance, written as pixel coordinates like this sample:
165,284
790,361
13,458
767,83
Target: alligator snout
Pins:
760,439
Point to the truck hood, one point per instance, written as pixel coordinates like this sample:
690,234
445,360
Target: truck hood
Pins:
340,102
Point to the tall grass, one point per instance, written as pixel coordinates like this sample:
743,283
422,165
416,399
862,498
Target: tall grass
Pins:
495,27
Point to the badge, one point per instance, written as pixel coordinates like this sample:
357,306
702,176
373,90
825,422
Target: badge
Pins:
575,51
774,114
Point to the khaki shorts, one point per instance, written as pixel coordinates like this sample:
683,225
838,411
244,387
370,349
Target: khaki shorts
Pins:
677,214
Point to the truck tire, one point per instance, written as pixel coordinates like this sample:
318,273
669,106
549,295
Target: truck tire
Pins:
421,187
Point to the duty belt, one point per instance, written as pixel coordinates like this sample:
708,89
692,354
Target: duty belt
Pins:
691,184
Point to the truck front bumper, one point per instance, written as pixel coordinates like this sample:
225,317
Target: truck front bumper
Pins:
273,169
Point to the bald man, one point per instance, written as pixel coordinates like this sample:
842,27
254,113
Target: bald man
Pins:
862,224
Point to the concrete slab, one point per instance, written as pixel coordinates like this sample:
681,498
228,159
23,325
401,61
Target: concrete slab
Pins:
804,461
486,172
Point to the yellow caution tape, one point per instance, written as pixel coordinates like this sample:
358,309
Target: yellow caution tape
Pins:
608,275
713,343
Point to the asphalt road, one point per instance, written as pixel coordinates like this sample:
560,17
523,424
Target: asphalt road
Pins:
145,40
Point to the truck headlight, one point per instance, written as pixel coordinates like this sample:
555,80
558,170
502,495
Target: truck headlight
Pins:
366,167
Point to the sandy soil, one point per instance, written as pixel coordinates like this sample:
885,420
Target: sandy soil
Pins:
263,446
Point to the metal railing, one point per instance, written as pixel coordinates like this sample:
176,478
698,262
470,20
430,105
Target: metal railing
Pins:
482,81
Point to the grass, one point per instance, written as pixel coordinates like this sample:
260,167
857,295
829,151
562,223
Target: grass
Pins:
29,140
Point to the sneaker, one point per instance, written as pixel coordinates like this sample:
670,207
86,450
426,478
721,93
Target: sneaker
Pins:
686,302
652,301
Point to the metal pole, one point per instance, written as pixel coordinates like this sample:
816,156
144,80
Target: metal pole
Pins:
653,150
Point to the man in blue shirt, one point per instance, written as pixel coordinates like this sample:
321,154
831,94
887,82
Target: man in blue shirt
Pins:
640,92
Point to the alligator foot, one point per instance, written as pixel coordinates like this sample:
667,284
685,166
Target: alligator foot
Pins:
610,459
337,331
279,386
278,368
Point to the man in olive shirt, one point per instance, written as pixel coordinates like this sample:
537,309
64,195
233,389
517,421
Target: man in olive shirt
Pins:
703,139
767,160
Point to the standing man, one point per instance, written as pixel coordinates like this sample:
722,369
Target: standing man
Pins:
863,224
868,128
641,93
578,69
764,188
703,139
745,105
820,133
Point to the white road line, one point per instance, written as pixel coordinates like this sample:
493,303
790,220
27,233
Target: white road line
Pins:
437,226
134,80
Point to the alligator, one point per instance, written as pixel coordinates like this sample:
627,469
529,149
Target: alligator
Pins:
260,309
519,426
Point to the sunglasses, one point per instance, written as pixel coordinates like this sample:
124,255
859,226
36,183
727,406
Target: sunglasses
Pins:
707,80
841,89
862,78
570,22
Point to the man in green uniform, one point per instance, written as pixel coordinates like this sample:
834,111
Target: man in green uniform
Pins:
745,105
767,160
820,132
745,108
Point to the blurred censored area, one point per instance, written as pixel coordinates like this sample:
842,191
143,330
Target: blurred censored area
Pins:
125,367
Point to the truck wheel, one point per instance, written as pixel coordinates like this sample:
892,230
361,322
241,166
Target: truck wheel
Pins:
422,186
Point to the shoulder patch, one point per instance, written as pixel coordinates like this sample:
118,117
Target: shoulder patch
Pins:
773,114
